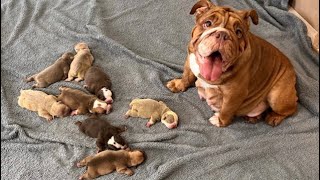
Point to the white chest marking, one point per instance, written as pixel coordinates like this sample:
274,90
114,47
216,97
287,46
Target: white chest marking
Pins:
196,71
112,141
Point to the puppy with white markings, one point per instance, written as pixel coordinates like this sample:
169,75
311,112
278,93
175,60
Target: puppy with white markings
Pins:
81,102
56,72
82,62
155,110
108,136
98,82
108,161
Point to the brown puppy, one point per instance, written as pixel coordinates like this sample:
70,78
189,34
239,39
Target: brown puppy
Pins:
47,106
81,102
108,136
108,161
81,63
54,73
238,73
98,82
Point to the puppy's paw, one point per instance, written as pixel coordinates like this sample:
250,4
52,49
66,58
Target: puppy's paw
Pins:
214,120
176,85
149,124
75,112
78,79
127,115
69,79
109,108
79,165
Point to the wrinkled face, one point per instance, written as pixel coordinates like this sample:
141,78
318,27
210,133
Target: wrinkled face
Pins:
170,119
218,39
81,46
116,143
60,110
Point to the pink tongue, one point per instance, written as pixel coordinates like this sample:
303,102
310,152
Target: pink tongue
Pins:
211,68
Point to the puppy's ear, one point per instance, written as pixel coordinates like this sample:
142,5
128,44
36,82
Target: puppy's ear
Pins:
201,7
252,14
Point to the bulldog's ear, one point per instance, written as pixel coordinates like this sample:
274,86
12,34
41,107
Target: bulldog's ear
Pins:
201,7
252,14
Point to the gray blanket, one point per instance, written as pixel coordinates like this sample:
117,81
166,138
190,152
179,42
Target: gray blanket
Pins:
142,45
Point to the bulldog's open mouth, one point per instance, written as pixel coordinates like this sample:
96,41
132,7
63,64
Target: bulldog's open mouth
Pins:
211,66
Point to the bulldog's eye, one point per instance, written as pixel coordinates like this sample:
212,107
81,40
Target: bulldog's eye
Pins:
207,24
239,32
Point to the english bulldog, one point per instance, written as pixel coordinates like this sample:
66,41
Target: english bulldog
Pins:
235,71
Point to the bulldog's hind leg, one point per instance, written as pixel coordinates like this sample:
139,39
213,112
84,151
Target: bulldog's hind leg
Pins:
283,102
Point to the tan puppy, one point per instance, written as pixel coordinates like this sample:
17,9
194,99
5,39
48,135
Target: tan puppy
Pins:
155,110
54,73
81,102
107,161
238,73
47,106
81,63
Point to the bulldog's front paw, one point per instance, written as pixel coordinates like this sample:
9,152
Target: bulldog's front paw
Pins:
274,119
176,85
214,120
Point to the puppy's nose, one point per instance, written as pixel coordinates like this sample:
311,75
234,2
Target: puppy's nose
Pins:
221,35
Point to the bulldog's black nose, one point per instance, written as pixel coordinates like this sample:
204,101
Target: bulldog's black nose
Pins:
221,35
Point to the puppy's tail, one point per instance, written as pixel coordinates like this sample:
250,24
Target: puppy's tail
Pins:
29,79
78,123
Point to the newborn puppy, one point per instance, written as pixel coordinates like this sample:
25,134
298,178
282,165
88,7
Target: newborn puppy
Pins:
81,63
108,161
149,108
98,82
81,102
54,73
47,106
105,133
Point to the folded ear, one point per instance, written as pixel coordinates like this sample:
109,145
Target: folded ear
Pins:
252,14
201,6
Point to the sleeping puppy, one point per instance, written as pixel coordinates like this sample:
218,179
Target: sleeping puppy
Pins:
81,102
47,106
98,82
108,161
81,63
155,110
237,72
54,73
108,136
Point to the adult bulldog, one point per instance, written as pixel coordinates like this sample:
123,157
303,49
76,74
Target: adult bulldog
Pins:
236,72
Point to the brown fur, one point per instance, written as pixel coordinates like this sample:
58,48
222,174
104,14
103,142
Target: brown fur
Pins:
255,73
80,102
102,130
95,79
108,161
56,72
46,105
81,63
